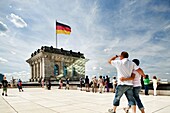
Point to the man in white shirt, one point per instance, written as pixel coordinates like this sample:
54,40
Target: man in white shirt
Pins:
136,77
124,69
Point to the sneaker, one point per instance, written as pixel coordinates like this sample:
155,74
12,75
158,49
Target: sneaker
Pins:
111,111
2,94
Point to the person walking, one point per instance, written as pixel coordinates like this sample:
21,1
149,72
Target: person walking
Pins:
104,83
81,83
94,87
60,84
87,84
67,83
100,83
49,84
20,85
107,83
114,83
155,84
136,77
124,69
146,84
42,83
5,86
39,81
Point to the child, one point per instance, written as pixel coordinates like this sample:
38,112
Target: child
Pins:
4,85
155,84
20,85
67,84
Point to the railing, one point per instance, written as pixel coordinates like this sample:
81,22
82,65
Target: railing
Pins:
77,84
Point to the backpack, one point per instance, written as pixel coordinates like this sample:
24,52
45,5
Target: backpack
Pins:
20,83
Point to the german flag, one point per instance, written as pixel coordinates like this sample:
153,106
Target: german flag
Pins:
62,29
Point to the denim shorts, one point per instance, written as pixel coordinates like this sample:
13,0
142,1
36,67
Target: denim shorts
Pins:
120,90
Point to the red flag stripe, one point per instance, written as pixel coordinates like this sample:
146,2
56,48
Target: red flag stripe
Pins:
63,28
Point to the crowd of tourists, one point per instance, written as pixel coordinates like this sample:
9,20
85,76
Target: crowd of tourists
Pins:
98,84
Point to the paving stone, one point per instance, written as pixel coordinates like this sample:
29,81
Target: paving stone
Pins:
40,100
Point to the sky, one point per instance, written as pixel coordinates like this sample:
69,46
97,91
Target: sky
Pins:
101,29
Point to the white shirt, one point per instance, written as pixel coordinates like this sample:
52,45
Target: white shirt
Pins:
137,79
114,81
155,82
124,69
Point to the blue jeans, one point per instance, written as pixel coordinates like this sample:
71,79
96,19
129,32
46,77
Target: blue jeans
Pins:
136,91
107,86
120,90
146,89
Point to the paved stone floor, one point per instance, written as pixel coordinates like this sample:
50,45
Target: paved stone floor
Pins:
38,100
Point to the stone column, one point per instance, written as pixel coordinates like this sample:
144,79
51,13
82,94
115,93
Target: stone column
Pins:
40,61
34,70
43,69
37,66
31,71
31,74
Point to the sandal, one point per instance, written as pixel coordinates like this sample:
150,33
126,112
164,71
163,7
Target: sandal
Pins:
111,111
126,110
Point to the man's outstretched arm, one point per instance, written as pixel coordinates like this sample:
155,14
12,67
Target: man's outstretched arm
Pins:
113,58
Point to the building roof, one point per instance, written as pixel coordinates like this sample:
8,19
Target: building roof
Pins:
58,51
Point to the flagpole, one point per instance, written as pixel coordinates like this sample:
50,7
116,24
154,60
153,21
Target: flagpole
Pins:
56,33
56,39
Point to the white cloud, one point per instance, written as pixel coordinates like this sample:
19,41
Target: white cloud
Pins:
100,68
160,8
13,52
107,50
97,68
2,60
94,68
3,28
167,27
17,20
19,9
23,75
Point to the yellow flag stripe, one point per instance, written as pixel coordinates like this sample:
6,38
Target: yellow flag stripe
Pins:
63,32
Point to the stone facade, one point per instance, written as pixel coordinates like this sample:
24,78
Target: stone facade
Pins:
49,62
